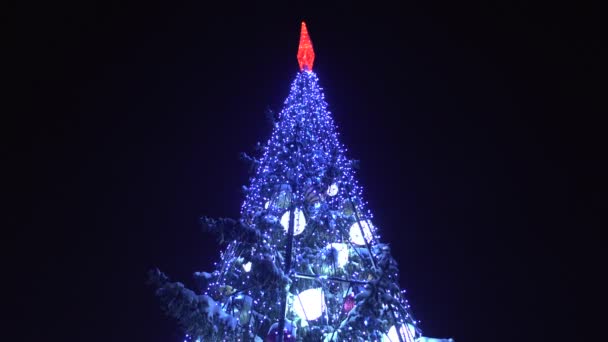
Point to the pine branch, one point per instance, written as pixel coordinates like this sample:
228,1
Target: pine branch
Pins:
271,116
198,315
229,230
253,162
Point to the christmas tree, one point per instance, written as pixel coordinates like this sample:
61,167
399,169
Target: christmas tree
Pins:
304,262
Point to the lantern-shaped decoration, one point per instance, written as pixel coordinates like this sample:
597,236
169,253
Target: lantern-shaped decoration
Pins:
349,303
355,232
332,190
310,304
299,221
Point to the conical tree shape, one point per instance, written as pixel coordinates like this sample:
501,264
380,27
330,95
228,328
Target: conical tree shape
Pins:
304,256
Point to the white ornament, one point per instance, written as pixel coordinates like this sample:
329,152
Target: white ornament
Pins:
247,266
342,250
267,204
406,334
299,221
332,190
310,304
355,233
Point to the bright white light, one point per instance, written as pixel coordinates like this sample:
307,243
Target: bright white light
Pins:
299,221
310,304
247,266
342,250
406,334
355,233
267,204
332,190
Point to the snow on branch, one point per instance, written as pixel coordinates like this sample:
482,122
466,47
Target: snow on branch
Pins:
199,315
230,230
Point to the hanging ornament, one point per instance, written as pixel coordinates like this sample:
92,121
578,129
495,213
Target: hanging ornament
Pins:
227,290
299,221
245,310
407,334
355,232
347,208
283,195
289,333
332,190
310,304
338,253
312,195
349,303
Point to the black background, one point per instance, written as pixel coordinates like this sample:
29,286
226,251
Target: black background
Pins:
480,148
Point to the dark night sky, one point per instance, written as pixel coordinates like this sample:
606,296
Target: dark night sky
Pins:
478,143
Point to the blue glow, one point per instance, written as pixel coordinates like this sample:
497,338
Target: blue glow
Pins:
303,166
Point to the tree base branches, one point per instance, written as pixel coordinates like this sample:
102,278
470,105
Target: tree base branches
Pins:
198,315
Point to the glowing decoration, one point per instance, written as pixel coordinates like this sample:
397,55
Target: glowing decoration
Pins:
349,303
406,334
299,221
310,304
339,252
306,54
267,204
332,190
355,233
247,266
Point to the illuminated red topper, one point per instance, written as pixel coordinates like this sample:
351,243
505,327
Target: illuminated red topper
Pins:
306,55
